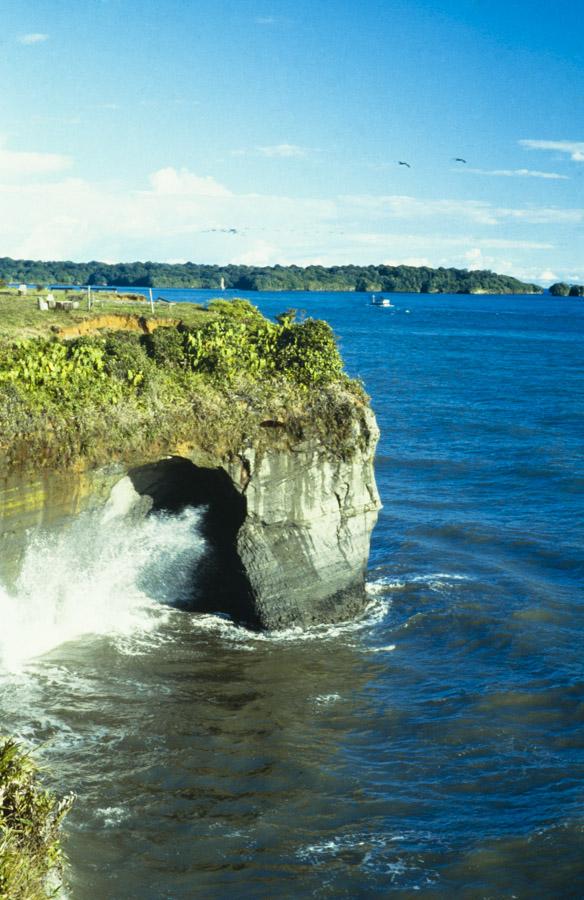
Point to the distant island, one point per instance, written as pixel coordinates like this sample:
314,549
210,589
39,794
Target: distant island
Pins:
414,279
561,289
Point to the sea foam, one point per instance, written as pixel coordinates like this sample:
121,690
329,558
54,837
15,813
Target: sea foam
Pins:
113,570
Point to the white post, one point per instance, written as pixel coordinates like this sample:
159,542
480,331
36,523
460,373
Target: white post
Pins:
88,296
151,300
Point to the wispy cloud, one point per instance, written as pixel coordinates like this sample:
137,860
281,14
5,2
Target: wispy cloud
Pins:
35,37
275,151
516,173
265,20
480,212
575,149
449,241
17,163
182,182
55,120
406,207
285,151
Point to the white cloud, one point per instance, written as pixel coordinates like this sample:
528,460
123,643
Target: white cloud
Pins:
274,151
261,253
266,20
33,38
474,258
180,214
181,181
481,212
503,243
447,241
550,215
284,150
408,261
405,207
18,163
575,149
515,173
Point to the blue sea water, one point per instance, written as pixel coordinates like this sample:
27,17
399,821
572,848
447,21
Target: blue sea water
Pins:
434,749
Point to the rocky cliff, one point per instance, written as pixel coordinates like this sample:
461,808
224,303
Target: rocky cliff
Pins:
304,542
287,527
253,421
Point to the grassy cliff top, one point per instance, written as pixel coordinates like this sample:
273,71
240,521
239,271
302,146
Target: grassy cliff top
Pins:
20,316
121,383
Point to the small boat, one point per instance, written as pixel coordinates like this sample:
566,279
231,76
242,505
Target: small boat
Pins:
381,301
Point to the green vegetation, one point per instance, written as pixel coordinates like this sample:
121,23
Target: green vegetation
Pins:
31,859
419,279
561,289
216,379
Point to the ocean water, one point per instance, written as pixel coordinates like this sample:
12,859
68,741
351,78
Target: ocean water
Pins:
434,748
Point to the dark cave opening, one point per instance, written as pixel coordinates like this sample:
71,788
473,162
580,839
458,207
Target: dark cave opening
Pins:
220,584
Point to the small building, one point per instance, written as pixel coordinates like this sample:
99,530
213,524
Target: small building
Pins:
22,289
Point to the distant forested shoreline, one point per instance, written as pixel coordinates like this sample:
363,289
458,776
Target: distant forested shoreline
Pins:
416,279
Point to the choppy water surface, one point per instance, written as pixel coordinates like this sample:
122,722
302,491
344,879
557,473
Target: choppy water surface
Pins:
436,747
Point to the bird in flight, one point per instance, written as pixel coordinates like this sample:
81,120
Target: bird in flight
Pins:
400,162
459,159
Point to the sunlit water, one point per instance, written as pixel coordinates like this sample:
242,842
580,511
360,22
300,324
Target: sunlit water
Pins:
434,748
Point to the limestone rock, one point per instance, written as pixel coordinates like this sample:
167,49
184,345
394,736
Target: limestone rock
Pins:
304,543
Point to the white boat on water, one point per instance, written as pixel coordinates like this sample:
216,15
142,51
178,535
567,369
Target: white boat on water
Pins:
381,301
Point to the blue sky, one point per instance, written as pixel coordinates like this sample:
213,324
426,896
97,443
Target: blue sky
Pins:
265,131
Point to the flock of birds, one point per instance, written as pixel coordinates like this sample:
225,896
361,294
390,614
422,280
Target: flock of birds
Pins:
402,162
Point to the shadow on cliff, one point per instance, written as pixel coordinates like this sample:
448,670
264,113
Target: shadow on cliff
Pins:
219,582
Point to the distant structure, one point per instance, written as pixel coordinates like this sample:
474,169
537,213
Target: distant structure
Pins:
22,289
222,284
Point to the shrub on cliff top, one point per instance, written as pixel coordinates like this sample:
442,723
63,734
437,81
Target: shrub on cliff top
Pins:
51,367
126,359
99,398
228,347
167,347
245,343
238,308
31,859
307,353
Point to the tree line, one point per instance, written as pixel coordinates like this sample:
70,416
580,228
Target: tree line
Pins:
416,279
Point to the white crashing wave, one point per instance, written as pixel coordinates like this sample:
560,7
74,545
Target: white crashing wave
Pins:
110,571
436,581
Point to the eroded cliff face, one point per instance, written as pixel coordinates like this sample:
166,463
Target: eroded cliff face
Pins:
287,528
305,540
